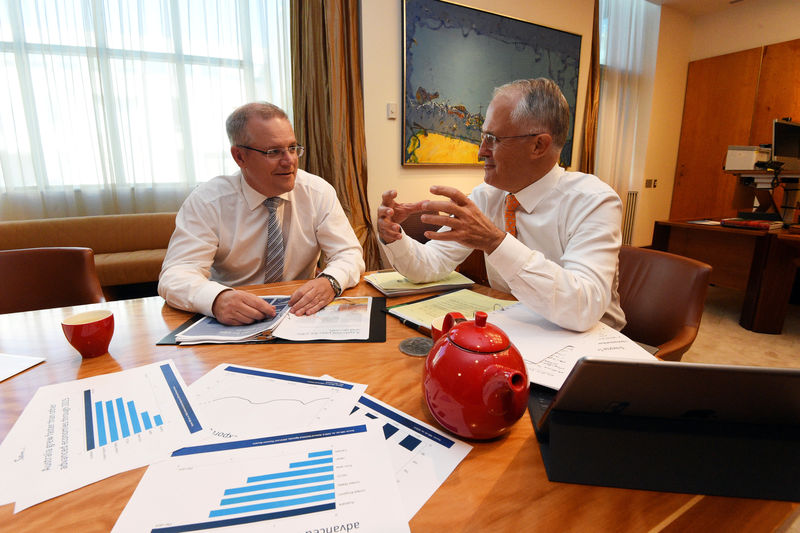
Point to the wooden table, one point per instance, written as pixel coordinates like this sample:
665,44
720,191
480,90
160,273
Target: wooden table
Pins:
500,486
762,264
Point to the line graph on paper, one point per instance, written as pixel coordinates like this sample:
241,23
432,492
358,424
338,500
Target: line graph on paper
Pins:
240,402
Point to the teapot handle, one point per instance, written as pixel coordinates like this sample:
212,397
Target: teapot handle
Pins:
450,320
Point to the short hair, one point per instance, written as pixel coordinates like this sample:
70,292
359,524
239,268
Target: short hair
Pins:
541,105
236,124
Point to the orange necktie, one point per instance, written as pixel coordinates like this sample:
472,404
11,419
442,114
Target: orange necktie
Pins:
511,214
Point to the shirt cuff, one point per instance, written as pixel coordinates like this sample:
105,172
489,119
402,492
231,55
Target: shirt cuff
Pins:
205,296
510,257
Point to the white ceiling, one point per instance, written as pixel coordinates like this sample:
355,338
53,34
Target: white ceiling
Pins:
696,8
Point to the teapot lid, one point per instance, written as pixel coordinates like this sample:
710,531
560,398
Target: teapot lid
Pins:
478,335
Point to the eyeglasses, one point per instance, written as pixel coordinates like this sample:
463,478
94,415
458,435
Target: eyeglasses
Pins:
277,153
492,140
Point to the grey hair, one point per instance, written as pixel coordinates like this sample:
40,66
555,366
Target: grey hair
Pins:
236,124
541,105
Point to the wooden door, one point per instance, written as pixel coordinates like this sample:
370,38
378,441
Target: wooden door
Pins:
717,112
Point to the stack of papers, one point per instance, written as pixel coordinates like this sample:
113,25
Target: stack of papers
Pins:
249,447
208,330
395,284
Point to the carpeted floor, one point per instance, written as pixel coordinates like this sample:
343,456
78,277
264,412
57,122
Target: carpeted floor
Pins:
722,340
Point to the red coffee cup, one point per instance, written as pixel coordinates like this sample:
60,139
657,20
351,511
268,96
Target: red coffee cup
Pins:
90,332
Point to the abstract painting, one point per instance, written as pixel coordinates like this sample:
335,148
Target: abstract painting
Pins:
454,56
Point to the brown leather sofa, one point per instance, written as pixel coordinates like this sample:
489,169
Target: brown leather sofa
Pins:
128,249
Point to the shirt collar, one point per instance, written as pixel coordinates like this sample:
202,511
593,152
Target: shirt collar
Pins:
530,196
254,198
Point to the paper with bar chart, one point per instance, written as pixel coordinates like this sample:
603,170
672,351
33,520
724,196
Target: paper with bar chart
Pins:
422,456
328,479
75,433
237,402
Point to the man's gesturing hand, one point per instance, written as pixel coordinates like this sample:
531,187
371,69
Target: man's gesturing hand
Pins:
391,214
469,226
236,308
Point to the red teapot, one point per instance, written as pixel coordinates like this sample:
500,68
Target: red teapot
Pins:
474,381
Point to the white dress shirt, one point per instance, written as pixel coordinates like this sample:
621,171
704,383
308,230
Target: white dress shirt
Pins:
563,262
221,234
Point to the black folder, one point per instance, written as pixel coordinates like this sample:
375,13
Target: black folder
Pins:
678,427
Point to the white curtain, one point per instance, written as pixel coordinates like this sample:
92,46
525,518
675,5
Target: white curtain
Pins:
628,46
118,106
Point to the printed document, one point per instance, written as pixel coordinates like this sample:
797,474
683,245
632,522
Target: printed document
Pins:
345,318
239,402
75,433
422,456
550,351
329,479
11,365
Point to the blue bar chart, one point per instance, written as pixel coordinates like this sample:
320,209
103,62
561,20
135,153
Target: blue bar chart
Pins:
109,421
303,482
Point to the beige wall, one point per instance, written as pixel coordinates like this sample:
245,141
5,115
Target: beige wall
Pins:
745,25
382,63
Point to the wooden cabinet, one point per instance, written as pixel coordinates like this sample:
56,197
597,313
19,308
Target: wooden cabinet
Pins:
730,100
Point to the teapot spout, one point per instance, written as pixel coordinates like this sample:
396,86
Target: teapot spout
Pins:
505,391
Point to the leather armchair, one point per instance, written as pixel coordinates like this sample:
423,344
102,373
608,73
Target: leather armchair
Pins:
663,295
41,278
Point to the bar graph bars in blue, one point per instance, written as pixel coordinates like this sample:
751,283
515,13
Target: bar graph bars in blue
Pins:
305,486
112,420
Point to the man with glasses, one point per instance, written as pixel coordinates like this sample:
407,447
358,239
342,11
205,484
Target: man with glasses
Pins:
267,223
550,237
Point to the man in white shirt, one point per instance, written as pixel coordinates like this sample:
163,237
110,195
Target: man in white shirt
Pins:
268,222
560,256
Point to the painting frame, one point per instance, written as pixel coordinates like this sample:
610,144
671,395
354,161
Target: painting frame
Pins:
444,102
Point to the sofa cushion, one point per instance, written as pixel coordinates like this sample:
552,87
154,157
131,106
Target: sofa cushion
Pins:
129,267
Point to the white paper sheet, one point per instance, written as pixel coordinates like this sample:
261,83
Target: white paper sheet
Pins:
237,402
422,456
75,433
331,479
345,318
550,351
11,365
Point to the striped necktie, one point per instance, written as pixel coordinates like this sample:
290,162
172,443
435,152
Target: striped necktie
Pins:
510,214
273,262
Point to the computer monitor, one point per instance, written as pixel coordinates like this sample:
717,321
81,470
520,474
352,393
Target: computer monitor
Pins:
786,144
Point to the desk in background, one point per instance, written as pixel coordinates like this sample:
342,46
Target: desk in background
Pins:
762,264
500,486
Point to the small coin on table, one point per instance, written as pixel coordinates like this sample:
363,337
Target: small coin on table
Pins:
416,346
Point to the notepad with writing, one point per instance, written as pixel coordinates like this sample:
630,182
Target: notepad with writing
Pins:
421,313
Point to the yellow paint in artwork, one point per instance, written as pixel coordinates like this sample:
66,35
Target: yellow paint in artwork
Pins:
436,148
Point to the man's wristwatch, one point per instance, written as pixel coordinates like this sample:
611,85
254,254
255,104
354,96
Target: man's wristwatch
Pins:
337,289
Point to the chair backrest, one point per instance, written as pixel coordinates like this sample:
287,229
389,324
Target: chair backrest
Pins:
416,228
41,278
662,295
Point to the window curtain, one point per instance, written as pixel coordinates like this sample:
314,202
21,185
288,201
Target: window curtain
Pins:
588,148
329,106
629,41
118,106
